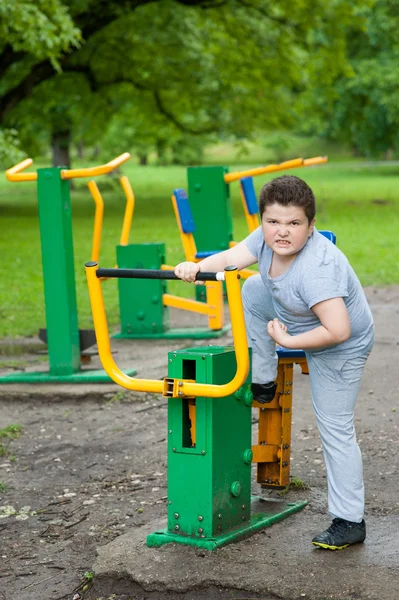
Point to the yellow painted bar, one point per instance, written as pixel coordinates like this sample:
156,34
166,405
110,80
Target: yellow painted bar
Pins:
94,171
317,160
214,301
185,304
14,173
98,220
288,164
265,454
232,279
192,414
180,387
247,273
128,216
103,341
213,306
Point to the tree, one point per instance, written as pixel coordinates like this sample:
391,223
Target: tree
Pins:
224,66
362,107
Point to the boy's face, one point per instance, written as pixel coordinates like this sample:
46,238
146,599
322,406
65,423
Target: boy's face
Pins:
286,229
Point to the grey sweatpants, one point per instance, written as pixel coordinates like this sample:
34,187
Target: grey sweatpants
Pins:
334,383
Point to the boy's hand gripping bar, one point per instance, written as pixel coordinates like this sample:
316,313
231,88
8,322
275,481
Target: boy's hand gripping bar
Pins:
169,387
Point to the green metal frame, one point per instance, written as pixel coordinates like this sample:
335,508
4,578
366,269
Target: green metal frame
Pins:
264,513
142,312
211,207
55,219
209,481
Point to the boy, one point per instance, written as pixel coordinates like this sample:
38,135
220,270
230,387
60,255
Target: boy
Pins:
308,297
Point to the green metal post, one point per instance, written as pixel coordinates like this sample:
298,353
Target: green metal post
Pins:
211,207
140,300
55,220
209,470
58,272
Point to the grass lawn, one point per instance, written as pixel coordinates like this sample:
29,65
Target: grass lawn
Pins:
360,204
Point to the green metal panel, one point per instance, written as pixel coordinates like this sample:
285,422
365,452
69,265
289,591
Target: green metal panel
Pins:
142,312
209,484
58,272
141,305
211,207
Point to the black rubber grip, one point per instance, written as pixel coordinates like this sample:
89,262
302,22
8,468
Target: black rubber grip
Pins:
148,274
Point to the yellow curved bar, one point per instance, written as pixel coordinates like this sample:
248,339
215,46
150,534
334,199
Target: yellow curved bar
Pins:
103,343
128,216
94,171
98,220
180,386
240,347
288,164
14,173
317,160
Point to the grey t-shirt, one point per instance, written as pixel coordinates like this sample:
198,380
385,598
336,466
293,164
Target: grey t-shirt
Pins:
320,271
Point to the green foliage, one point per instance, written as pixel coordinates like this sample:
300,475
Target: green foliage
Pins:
231,69
361,107
42,28
10,148
11,432
294,484
3,487
280,146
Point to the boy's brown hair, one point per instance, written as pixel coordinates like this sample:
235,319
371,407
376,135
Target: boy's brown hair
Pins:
288,190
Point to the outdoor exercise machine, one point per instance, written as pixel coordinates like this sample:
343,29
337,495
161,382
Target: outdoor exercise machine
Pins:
144,305
64,339
209,427
209,194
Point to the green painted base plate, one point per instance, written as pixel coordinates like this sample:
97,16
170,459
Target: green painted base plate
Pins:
83,376
200,333
263,514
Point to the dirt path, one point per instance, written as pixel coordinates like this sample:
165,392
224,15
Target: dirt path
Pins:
90,467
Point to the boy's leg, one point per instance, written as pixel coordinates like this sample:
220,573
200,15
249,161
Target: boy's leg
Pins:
335,385
258,310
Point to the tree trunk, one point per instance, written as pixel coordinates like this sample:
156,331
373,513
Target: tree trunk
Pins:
161,151
143,160
80,149
60,142
388,154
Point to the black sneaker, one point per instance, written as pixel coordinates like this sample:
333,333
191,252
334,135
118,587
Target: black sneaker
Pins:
264,392
340,535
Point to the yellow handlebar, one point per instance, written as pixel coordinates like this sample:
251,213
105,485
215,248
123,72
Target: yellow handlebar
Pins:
14,173
93,171
317,160
175,388
288,164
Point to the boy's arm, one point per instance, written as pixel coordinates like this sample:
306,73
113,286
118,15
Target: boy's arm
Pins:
238,255
334,328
